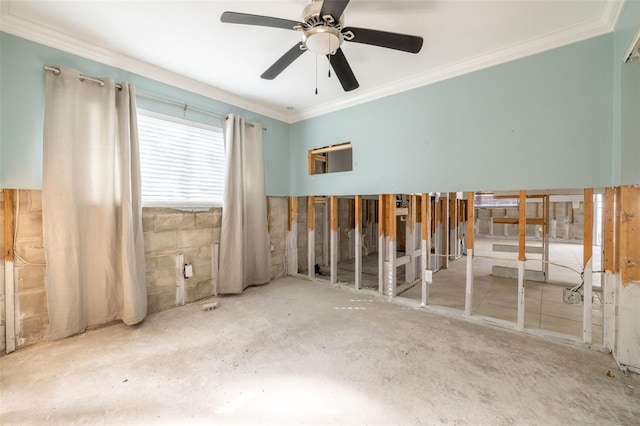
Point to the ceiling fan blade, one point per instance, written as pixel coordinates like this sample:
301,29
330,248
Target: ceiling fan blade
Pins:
343,71
403,42
264,21
282,63
333,8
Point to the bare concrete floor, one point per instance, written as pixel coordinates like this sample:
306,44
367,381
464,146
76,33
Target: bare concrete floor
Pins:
295,352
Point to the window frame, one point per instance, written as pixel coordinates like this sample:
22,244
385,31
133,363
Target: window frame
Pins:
185,206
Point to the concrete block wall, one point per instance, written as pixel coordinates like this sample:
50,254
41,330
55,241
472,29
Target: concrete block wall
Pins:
278,215
167,232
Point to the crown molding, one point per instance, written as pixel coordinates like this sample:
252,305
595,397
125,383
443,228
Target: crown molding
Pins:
605,23
579,32
32,31
611,11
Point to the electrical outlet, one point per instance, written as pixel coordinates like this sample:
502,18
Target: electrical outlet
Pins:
188,270
428,276
571,297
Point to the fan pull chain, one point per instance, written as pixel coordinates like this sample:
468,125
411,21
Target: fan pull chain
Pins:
316,74
329,65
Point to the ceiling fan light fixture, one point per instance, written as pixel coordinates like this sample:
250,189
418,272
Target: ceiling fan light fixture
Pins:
322,40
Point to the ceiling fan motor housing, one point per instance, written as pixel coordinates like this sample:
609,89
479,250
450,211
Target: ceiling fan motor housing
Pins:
321,34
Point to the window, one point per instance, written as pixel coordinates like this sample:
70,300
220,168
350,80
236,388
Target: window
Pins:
330,159
182,163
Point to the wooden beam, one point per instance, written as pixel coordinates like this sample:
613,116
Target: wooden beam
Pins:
382,206
311,210
617,240
358,242
445,232
9,282
470,220
629,231
293,212
292,236
588,267
522,227
609,223
588,226
390,217
334,213
468,297
333,245
8,225
515,220
522,220
311,163
426,252
311,237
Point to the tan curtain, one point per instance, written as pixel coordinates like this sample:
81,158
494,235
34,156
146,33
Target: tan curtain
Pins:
245,258
92,215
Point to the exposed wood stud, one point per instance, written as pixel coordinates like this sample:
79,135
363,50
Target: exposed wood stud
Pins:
430,228
311,238
311,210
424,200
522,227
588,226
293,212
609,222
381,240
445,232
333,255
8,224
588,266
629,231
358,242
9,280
470,220
617,240
334,213
468,300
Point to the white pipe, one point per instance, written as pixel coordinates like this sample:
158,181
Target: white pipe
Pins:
358,257
381,256
520,294
10,312
311,254
587,302
425,286
468,299
334,257
609,319
215,267
180,290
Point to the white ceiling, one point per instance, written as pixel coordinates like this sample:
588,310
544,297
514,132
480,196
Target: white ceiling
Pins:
184,43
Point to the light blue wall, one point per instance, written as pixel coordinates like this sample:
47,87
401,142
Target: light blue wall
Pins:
540,122
626,111
22,107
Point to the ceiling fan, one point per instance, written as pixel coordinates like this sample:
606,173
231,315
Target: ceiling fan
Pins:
323,32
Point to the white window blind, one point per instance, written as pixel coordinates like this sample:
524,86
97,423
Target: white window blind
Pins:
182,163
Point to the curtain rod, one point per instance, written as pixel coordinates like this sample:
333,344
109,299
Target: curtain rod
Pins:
56,71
